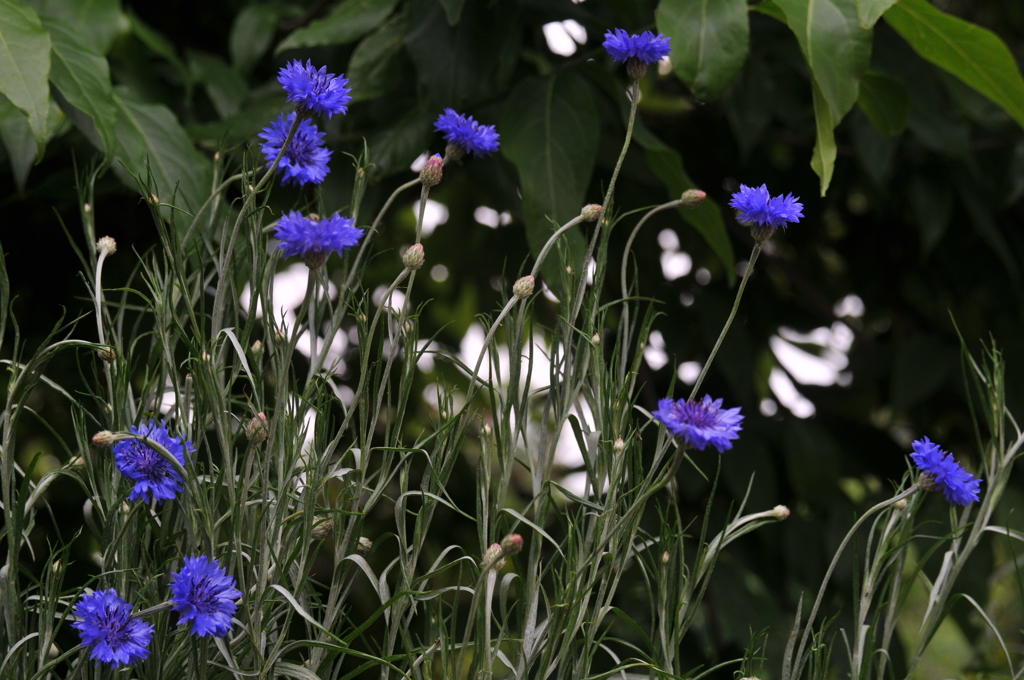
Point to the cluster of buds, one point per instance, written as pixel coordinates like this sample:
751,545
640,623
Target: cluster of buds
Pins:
494,558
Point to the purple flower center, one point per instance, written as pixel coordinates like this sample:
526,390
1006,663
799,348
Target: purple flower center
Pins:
114,625
203,596
147,461
696,414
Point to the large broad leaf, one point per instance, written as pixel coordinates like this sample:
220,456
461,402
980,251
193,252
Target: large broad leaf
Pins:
870,11
224,85
837,49
82,76
397,144
253,32
25,66
96,23
453,10
971,53
885,101
710,42
150,140
823,159
17,138
377,61
549,131
349,21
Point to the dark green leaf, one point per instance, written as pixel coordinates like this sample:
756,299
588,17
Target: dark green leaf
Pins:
769,8
837,49
971,53
149,137
17,138
823,160
252,33
710,42
988,230
549,131
885,101
160,45
875,151
453,10
745,104
25,66
224,85
920,366
96,23
82,76
348,22
870,11
252,118
932,205
397,144
377,61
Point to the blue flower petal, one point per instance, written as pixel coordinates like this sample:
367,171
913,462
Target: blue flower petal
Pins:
701,423
315,90
958,486
205,596
305,237
155,478
305,160
467,133
645,47
108,629
757,206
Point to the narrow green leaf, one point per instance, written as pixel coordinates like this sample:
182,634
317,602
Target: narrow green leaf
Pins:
550,131
82,75
25,66
375,64
17,138
870,11
971,53
149,136
710,42
96,23
348,22
885,101
823,160
837,49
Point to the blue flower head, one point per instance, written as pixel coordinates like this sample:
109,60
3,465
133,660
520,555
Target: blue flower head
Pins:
305,159
203,594
645,47
466,135
699,423
316,91
155,478
107,627
314,240
939,472
758,207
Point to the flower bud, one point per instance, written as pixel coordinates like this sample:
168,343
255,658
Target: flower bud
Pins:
106,245
665,557
692,198
635,68
257,348
523,288
56,566
364,545
413,257
780,512
257,429
314,259
454,152
486,430
901,504
103,438
432,172
86,208
106,354
493,553
619,446
595,339
591,212
154,200
511,544
322,527
76,462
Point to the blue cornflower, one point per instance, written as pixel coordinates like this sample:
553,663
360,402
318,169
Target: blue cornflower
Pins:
645,48
940,472
205,595
699,423
305,160
466,135
756,205
154,477
108,628
314,239
317,91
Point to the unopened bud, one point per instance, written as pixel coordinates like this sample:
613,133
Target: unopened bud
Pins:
409,326
494,552
106,245
432,172
86,208
413,257
257,429
257,348
216,156
56,566
487,430
322,527
692,198
665,557
103,438
364,545
454,152
360,317
591,212
154,200
204,356
595,339
901,503
619,446
523,288
125,508
106,354
780,512
511,544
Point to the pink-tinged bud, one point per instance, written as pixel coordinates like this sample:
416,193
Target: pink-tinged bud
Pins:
780,512
595,339
491,557
153,199
76,462
511,544
257,429
619,446
432,172
257,348
523,288
665,557
322,527
106,354
591,212
364,545
104,438
106,245
692,198
413,258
